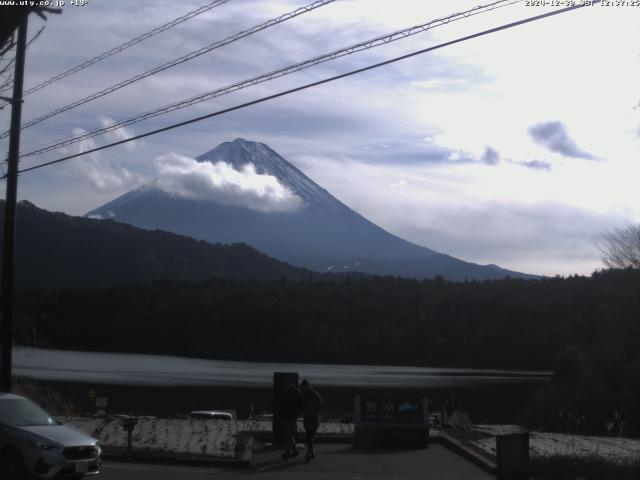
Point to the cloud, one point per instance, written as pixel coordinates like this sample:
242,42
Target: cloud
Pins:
399,184
119,134
525,219
490,156
103,175
536,165
186,177
86,144
377,146
554,136
533,238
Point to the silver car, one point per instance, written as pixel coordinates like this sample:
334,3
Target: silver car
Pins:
34,445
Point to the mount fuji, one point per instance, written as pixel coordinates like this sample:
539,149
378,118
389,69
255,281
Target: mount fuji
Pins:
313,230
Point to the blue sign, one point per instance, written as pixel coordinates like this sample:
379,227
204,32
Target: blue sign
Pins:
404,410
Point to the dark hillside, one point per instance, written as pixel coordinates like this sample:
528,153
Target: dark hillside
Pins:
55,250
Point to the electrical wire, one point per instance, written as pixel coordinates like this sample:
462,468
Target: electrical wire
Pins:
124,46
368,44
177,61
310,85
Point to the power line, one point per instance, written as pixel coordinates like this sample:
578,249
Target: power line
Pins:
124,46
310,85
177,61
372,43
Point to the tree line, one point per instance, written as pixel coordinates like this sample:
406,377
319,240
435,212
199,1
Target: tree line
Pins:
381,320
586,329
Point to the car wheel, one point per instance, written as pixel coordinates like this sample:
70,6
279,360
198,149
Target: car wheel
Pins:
12,466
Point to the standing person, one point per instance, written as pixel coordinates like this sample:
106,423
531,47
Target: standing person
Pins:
311,406
447,411
290,407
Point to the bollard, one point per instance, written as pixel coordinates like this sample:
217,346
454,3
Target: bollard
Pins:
128,424
512,452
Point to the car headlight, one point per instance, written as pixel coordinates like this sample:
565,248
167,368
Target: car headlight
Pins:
42,445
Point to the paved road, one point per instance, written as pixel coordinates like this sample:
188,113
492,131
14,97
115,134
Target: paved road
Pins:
334,462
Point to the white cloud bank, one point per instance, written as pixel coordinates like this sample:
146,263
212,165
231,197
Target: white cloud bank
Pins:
186,177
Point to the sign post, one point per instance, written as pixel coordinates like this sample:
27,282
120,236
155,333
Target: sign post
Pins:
101,405
128,424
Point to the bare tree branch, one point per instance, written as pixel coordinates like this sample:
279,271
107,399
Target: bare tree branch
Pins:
7,84
7,46
7,67
40,11
35,36
621,247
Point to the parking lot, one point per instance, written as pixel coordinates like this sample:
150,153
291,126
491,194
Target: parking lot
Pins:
335,462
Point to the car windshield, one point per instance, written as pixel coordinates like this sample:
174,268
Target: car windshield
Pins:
20,412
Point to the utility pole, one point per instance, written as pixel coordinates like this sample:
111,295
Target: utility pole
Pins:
6,327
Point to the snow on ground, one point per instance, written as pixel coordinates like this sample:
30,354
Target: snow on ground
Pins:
494,430
326,428
217,438
543,444
211,438
214,438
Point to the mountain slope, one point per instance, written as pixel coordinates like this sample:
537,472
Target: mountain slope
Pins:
324,235
54,250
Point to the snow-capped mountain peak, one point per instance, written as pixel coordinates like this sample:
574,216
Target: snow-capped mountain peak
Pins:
241,152
324,235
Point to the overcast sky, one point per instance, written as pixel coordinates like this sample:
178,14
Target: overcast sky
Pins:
518,149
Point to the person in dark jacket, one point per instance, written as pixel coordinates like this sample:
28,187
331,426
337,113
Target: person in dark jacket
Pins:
311,406
290,408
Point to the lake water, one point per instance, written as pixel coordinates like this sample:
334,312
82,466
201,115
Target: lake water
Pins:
167,371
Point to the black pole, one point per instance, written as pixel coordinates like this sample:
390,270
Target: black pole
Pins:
6,327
